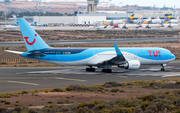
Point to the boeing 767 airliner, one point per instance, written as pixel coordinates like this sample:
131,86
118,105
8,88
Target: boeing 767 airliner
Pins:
105,58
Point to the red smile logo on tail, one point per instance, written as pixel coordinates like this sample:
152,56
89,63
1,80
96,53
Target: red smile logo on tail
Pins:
30,43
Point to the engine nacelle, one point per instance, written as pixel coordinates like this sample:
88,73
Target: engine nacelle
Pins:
132,65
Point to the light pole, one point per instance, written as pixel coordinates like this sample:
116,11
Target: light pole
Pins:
5,12
39,12
174,11
106,11
5,18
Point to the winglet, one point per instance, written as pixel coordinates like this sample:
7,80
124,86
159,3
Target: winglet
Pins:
118,52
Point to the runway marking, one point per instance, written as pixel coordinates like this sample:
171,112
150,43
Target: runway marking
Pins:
123,76
23,83
160,74
171,75
64,71
70,79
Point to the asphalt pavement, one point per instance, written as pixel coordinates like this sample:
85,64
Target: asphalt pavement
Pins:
31,78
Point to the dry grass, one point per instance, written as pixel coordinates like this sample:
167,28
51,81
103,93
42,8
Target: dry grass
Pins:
88,35
123,93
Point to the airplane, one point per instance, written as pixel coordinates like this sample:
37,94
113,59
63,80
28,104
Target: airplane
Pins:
102,21
118,21
133,20
128,58
152,21
122,21
34,25
173,21
112,22
169,18
16,25
127,26
169,25
149,26
99,27
148,20
157,20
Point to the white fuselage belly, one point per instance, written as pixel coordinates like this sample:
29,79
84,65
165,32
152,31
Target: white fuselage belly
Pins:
105,56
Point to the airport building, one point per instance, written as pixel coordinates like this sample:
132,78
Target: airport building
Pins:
79,19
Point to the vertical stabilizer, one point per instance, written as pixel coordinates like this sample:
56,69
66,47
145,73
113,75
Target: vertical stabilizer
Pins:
32,40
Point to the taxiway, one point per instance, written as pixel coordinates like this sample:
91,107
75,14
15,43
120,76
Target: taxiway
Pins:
31,78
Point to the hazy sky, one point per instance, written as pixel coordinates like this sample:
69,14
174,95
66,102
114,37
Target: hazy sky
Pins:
159,3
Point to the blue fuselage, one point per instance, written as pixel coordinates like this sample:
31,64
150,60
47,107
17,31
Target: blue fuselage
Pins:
94,56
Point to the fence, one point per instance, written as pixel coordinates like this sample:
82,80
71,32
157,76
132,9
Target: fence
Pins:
17,60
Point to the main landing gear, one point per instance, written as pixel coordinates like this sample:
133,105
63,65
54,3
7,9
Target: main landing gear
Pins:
107,70
90,69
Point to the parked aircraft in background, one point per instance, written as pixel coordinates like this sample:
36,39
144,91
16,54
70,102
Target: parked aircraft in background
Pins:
101,22
112,22
127,26
133,20
147,21
149,26
157,20
173,21
123,21
169,17
99,27
16,25
169,25
152,21
118,21
34,25
132,16
128,58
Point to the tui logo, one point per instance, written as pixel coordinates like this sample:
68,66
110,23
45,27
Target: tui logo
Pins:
30,43
155,53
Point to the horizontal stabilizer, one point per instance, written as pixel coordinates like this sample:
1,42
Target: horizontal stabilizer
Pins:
16,52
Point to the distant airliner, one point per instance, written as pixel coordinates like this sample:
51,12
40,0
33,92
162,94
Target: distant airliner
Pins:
128,58
16,25
34,25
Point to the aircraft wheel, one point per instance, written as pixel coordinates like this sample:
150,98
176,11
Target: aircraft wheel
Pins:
103,70
90,69
162,69
109,70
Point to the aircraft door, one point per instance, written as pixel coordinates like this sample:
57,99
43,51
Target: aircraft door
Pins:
135,54
164,54
58,55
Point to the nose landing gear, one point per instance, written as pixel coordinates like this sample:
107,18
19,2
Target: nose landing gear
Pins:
162,69
90,69
163,65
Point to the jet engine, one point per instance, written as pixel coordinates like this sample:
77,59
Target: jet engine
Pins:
132,65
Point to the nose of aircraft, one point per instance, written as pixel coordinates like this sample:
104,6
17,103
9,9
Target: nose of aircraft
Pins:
173,56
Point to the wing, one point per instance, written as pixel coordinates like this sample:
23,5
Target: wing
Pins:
118,60
16,52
